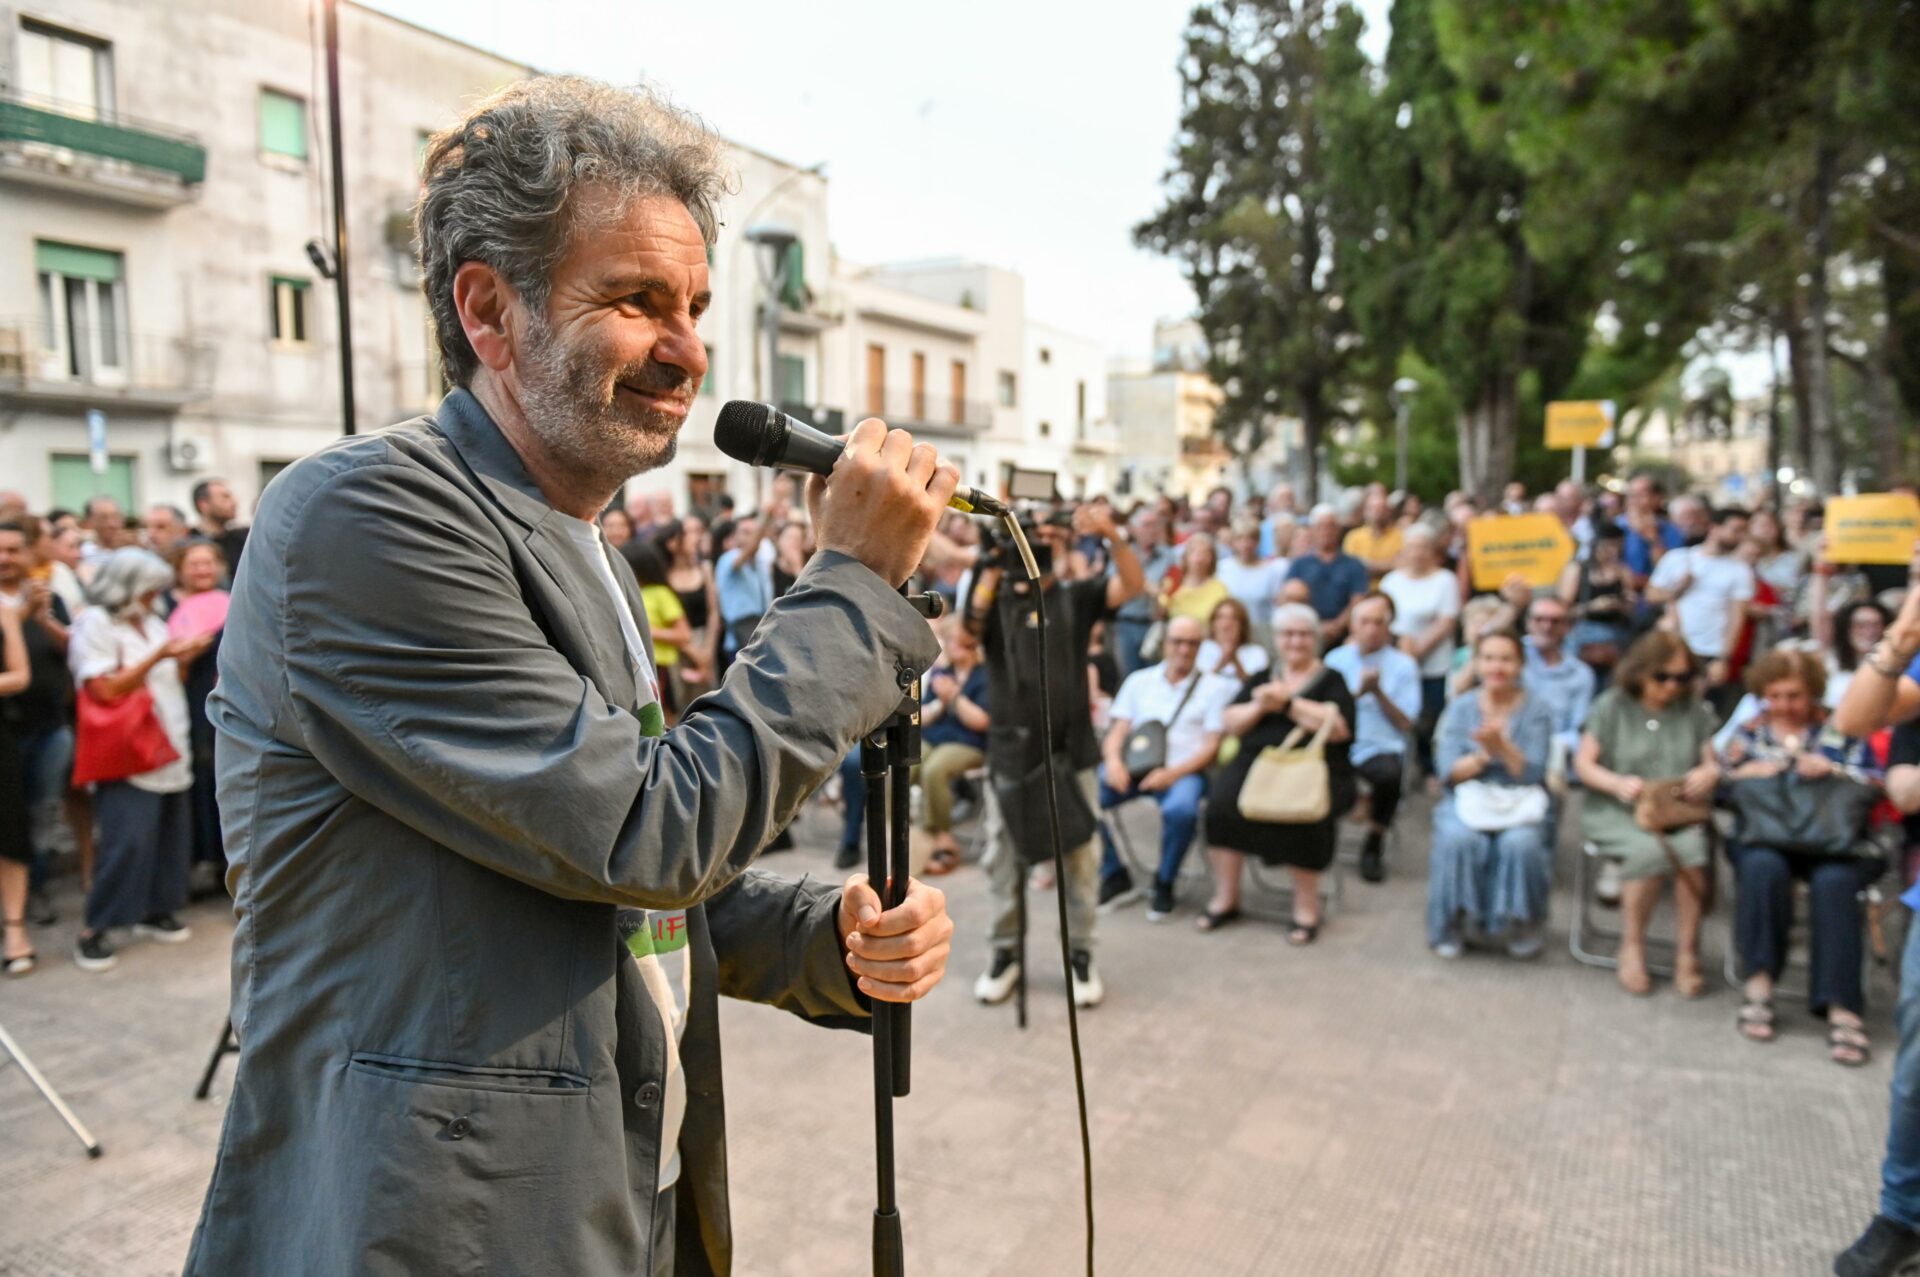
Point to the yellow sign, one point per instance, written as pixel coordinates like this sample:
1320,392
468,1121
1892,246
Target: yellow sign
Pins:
1875,529
1578,423
1536,546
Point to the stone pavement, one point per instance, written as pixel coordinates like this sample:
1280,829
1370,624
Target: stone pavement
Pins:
1356,1107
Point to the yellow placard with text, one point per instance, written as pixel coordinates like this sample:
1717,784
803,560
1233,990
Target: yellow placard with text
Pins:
1535,546
1577,423
1882,528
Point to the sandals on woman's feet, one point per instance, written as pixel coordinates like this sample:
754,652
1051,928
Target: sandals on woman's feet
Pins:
1214,919
20,963
1755,1020
1303,933
1687,980
1847,1045
1632,973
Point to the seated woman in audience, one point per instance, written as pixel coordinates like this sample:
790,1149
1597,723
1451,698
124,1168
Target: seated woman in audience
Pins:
953,717
1200,589
1854,628
1491,868
1230,650
1650,726
116,647
1300,692
1791,734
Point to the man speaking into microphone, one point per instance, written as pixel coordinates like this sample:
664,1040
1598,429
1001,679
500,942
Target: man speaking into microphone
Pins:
485,905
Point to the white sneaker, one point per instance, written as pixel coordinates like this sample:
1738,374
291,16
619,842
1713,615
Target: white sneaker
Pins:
1525,941
1449,949
996,983
1088,991
1606,889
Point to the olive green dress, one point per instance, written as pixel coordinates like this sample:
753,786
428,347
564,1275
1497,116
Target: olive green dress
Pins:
1651,746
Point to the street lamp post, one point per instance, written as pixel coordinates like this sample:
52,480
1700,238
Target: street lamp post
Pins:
1403,392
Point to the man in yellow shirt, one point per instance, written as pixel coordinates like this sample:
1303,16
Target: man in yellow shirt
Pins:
1376,542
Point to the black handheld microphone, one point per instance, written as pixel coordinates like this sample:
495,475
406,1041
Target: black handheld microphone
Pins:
761,435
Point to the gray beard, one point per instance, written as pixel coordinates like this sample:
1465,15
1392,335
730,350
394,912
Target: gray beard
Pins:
574,409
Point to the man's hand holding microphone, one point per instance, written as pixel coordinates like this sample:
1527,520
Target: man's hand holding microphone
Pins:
880,505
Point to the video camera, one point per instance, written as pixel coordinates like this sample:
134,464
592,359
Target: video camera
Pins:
997,548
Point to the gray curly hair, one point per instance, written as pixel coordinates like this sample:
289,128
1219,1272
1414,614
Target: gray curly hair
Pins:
502,185
126,576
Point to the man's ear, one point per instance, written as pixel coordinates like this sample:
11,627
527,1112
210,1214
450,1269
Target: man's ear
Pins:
486,305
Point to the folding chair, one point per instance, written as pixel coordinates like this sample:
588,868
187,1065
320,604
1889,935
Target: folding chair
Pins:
1268,893
1597,945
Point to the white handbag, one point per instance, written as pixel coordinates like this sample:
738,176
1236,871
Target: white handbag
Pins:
1493,808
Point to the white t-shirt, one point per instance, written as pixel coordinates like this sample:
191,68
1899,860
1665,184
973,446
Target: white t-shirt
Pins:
1252,657
1256,585
97,644
1719,580
1147,697
657,938
1417,603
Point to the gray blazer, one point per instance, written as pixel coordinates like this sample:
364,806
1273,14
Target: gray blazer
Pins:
435,799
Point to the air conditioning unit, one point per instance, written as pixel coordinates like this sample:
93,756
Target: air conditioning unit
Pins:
189,454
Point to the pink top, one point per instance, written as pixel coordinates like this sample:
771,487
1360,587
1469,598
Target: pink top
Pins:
197,614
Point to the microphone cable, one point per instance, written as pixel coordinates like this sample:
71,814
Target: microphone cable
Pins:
1059,871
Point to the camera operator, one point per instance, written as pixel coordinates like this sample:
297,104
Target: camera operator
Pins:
1007,623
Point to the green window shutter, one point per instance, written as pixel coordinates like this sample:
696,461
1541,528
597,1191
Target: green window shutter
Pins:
291,282
75,262
790,379
283,124
793,289
710,383
75,483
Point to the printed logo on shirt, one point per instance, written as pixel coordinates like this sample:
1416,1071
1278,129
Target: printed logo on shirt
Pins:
652,933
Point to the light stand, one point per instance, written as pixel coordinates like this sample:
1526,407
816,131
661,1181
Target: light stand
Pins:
47,1093
888,756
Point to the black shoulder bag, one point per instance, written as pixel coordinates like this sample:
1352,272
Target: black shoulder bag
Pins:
1145,748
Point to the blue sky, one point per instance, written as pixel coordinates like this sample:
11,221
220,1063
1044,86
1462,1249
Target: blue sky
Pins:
1029,135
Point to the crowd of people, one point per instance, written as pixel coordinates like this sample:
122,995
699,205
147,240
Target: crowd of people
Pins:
1688,656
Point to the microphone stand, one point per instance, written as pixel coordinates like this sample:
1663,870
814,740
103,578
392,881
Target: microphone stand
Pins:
888,756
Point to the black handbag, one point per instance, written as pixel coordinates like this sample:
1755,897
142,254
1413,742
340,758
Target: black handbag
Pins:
1788,812
1145,748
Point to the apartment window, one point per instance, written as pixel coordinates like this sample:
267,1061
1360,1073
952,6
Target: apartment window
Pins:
1046,430
1080,404
790,379
709,384
1046,356
1009,390
959,391
421,139
65,72
283,125
75,483
876,380
705,490
919,386
270,470
289,297
82,312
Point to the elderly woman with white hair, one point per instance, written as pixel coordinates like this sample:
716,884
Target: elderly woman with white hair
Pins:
117,648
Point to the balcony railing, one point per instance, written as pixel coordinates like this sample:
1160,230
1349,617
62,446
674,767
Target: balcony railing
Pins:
151,368
905,408
40,139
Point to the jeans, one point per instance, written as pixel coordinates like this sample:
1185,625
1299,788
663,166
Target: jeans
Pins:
853,795
1900,1173
1488,881
48,756
1179,818
1836,931
1125,644
141,864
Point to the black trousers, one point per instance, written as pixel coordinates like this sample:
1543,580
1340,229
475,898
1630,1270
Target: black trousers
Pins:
1382,774
1836,930
140,865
